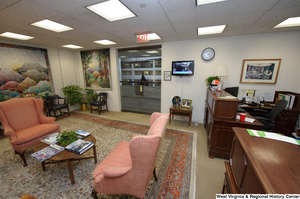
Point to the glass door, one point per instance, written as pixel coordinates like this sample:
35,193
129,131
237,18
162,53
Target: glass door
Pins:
140,79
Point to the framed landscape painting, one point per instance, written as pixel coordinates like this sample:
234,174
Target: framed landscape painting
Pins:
260,71
24,69
96,69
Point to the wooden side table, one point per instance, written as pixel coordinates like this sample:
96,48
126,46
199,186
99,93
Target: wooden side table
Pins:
181,112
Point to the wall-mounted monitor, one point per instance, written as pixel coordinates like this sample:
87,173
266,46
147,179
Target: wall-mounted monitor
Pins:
182,68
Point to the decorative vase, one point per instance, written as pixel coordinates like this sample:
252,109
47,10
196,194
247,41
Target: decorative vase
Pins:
213,86
84,106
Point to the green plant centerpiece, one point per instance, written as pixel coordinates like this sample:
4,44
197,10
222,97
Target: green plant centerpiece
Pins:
65,138
74,94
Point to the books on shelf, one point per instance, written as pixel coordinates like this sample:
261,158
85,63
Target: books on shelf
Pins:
83,133
47,152
50,139
289,98
79,146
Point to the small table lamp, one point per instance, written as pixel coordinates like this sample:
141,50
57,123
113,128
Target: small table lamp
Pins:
221,72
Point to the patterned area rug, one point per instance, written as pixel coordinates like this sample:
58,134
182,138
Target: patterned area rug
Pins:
174,166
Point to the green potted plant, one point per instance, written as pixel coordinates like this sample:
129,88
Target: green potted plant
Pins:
74,94
65,138
90,96
209,80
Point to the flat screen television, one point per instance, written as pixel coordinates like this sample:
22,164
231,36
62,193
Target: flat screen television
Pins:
182,68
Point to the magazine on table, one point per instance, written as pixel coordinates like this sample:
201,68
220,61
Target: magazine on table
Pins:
47,152
79,146
83,133
50,139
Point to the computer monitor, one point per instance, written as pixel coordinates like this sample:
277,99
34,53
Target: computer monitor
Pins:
232,91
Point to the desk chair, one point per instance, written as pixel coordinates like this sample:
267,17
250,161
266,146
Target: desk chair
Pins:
268,121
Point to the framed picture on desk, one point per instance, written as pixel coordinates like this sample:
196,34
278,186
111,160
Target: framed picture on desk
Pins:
186,103
260,71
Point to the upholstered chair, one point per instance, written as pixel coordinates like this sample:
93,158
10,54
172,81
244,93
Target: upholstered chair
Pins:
129,166
25,124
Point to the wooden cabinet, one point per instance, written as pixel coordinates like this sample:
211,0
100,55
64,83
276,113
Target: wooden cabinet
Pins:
219,118
262,166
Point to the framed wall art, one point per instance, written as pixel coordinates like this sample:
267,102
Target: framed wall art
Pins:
24,69
167,76
96,69
186,103
260,71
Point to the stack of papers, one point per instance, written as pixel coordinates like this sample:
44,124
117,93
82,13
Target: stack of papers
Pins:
274,136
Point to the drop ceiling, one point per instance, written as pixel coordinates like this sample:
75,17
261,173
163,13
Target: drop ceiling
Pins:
172,20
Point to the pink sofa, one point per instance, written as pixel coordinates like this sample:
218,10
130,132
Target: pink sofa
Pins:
25,124
127,169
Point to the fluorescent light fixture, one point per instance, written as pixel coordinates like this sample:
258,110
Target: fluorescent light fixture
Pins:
72,46
202,2
290,22
132,51
51,25
152,51
211,30
112,10
105,42
153,36
122,56
146,55
15,36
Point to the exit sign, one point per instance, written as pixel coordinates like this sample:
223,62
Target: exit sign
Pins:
142,38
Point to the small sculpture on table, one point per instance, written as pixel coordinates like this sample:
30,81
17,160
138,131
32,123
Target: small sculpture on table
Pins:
176,101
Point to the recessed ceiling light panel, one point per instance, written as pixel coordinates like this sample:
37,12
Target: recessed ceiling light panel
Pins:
72,46
202,2
290,22
152,51
112,10
51,25
211,30
105,42
15,36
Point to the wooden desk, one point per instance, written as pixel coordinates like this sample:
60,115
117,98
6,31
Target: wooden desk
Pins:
181,112
262,166
219,118
285,124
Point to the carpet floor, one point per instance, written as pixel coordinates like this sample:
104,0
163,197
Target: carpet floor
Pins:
175,166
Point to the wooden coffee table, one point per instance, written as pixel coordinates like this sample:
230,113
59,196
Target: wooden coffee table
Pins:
67,156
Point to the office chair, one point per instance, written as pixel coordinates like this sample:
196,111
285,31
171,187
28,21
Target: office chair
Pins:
268,121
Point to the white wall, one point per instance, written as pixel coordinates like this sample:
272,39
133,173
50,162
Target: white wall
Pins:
230,51
66,66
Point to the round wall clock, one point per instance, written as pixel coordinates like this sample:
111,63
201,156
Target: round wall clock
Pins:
208,54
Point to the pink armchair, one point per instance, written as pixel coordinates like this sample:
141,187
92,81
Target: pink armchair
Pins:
25,124
127,169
